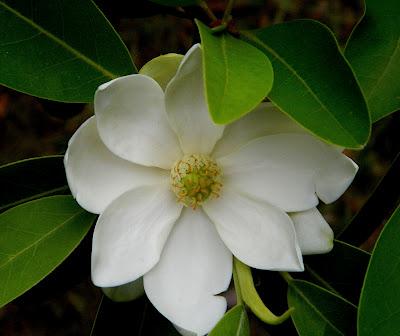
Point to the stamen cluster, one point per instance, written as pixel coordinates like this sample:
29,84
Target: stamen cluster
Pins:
196,178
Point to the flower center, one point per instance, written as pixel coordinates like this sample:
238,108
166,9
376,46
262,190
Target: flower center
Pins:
195,178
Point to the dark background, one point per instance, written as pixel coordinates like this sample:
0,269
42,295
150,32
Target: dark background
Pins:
66,303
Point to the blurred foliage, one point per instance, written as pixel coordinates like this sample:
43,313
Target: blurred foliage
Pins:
32,127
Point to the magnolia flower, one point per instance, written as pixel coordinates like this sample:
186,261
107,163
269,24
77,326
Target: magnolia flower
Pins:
178,196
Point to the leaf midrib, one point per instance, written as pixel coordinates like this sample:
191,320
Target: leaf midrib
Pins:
37,242
313,307
242,317
57,40
255,39
383,73
226,79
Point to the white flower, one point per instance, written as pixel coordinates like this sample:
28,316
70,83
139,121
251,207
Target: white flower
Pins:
178,195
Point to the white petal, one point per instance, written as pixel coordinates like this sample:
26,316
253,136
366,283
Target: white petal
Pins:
195,266
128,292
288,170
187,108
313,232
96,176
132,121
333,180
264,120
130,234
257,233
162,68
184,332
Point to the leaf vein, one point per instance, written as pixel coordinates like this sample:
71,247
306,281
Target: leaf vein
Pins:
253,38
64,45
384,72
36,242
304,297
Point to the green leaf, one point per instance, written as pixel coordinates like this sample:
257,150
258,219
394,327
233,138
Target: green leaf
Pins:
35,238
379,313
237,75
374,53
29,179
313,83
175,3
319,312
332,270
234,323
61,50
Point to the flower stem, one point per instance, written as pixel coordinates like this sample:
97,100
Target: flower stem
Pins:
239,299
207,10
228,10
286,276
243,277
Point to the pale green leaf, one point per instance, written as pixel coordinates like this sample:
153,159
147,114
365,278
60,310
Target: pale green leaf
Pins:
234,323
162,68
237,75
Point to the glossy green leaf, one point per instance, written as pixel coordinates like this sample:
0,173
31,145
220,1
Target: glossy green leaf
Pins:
374,53
313,82
61,50
176,2
35,238
234,323
319,312
26,180
237,75
332,270
379,309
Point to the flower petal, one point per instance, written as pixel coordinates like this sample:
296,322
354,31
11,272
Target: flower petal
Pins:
128,292
132,122
257,233
130,234
264,120
187,108
96,176
162,68
184,332
288,170
195,266
333,180
314,234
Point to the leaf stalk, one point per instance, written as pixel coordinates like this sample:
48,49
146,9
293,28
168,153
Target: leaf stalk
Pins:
244,279
228,10
207,10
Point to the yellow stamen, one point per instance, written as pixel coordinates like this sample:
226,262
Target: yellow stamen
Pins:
196,178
